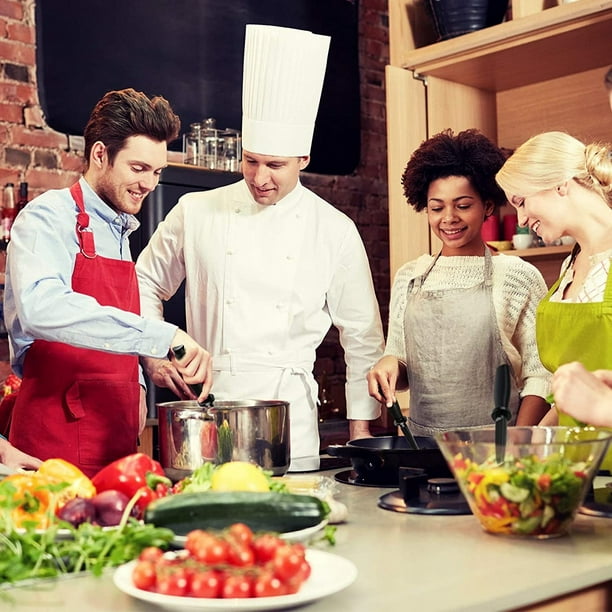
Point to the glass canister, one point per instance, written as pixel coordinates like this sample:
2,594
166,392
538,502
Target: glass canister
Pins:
210,144
229,151
193,144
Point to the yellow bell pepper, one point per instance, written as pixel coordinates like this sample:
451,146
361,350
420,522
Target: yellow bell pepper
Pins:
56,471
33,500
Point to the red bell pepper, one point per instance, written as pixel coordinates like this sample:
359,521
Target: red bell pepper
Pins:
136,473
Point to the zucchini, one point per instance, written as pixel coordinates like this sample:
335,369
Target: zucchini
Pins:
278,512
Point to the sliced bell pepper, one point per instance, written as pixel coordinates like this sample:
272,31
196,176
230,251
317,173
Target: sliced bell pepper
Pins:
136,473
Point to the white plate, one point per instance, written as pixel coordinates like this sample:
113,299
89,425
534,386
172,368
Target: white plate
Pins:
330,574
302,535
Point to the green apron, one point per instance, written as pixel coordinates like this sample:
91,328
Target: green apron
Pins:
568,331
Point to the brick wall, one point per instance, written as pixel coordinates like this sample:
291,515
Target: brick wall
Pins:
30,151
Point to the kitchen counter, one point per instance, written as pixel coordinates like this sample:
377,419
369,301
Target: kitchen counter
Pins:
422,562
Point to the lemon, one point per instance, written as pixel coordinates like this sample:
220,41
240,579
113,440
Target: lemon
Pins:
239,476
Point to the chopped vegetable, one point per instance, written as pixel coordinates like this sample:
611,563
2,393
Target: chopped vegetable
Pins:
527,495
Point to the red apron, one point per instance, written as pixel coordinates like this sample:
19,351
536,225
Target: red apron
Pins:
79,404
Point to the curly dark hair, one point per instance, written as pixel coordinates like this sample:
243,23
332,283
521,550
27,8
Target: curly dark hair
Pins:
124,113
469,154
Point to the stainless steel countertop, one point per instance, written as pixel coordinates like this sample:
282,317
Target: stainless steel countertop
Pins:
421,562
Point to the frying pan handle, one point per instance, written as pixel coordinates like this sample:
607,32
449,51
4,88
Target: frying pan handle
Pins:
339,450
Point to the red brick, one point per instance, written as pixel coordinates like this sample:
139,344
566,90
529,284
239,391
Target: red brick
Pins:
17,52
18,93
11,112
72,162
21,32
11,8
8,176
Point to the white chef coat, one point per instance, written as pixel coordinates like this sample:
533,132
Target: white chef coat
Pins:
263,286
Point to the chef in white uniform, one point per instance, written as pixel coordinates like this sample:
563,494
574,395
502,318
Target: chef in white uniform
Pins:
269,266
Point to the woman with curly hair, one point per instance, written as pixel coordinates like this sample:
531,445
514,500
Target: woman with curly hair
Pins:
562,187
456,316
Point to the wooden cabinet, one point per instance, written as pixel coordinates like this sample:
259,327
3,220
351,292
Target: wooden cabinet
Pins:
542,70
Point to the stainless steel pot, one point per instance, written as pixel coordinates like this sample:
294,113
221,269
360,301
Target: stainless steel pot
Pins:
230,430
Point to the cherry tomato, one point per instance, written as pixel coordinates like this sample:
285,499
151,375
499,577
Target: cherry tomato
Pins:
237,586
241,533
144,575
207,548
268,585
173,582
293,585
265,547
206,583
240,555
287,562
151,553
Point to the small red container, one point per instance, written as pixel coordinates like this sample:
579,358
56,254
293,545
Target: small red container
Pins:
490,228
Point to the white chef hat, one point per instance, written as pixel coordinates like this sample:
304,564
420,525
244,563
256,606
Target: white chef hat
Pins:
281,88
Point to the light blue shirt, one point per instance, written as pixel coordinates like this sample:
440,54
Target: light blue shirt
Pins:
39,302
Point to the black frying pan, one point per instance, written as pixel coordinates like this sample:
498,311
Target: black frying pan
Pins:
377,460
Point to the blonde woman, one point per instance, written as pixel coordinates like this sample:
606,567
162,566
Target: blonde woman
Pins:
562,187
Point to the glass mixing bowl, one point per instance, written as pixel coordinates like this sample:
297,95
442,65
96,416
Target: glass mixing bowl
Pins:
538,487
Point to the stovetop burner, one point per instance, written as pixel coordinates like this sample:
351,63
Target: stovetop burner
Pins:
419,494
351,477
426,503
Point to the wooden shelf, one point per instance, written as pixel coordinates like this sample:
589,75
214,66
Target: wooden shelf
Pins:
522,51
541,252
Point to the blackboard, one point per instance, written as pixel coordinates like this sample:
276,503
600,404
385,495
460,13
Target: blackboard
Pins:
191,52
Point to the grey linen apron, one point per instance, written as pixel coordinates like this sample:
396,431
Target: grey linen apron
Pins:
453,348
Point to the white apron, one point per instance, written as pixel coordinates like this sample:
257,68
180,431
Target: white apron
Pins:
453,349
281,377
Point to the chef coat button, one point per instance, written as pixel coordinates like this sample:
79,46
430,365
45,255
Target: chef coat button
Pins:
237,211
279,306
229,302
230,252
290,257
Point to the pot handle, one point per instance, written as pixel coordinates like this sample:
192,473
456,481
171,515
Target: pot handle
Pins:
339,450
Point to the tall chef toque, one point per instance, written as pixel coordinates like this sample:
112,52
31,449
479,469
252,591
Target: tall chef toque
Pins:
281,89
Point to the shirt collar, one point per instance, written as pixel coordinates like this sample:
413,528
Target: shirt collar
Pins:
98,207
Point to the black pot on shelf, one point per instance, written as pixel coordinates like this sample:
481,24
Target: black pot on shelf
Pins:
456,17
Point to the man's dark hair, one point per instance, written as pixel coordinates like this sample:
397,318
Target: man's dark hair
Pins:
469,154
126,112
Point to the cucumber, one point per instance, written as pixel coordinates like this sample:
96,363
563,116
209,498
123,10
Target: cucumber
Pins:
278,512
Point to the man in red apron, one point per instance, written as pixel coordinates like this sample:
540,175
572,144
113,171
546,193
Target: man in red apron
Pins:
72,301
